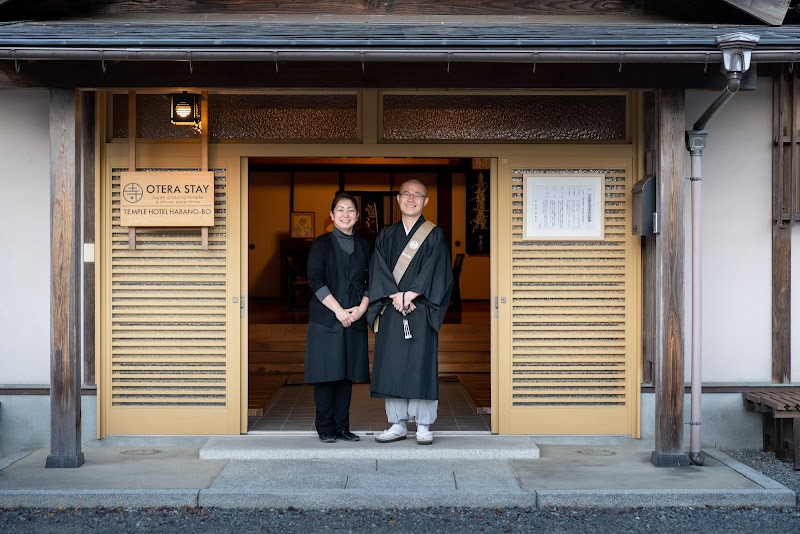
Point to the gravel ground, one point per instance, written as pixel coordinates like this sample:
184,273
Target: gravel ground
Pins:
440,520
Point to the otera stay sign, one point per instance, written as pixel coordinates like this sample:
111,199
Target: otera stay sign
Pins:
177,198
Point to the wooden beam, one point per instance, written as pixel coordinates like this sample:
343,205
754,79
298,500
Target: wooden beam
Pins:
352,7
132,131
87,163
769,11
132,154
669,283
298,75
204,155
649,283
785,169
204,132
633,10
65,361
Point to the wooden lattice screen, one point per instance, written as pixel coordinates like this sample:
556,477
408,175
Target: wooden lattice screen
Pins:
169,324
570,310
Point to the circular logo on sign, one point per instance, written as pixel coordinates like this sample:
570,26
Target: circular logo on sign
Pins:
413,245
133,192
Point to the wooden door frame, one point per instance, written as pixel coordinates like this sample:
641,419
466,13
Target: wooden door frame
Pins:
371,152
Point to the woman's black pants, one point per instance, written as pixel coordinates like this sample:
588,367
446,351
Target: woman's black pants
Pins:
333,405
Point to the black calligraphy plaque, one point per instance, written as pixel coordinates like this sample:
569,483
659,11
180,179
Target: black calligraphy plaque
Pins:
377,209
478,212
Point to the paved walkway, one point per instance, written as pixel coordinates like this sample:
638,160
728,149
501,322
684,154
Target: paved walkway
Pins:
478,470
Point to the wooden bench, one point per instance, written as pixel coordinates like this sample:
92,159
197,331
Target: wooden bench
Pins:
780,411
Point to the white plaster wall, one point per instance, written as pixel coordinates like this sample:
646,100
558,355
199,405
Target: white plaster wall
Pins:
25,239
737,237
796,304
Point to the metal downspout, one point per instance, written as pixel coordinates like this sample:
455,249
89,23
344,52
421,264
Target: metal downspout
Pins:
736,61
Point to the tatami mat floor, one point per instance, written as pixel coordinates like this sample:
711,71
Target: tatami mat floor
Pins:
293,410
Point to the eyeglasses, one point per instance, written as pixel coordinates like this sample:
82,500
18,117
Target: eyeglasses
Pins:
408,195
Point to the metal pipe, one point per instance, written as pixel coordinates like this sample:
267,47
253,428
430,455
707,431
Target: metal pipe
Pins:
695,143
736,56
412,55
734,82
695,455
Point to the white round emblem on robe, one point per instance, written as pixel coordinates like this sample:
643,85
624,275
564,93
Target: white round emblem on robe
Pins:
414,245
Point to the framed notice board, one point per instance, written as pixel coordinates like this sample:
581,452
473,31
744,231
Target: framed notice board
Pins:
563,207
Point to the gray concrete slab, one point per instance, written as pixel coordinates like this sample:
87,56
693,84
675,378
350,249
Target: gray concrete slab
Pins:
111,477
366,483
369,475
306,447
623,477
760,498
139,440
113,468
14,457
86,498
353,500
265,476
623,467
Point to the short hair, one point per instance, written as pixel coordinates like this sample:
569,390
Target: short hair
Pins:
343,195
412,181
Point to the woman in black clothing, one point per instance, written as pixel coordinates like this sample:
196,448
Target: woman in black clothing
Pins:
336,342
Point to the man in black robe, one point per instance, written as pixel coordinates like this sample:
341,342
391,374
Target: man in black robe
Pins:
409,312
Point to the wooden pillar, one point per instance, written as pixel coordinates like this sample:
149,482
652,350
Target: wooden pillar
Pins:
132,131
204,156
444,204
649,285
669,268
784,176
65,361
87,163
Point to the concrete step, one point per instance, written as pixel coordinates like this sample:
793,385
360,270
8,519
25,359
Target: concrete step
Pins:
306,445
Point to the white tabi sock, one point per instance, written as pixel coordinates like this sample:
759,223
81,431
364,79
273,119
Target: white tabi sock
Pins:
422,429
398,428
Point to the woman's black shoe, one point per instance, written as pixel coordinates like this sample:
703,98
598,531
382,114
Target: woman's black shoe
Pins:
347,436
327,437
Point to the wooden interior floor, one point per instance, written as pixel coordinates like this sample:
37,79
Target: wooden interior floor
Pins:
276,359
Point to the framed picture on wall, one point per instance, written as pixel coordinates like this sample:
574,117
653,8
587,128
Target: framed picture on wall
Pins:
302,225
